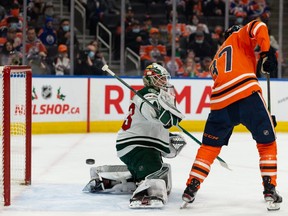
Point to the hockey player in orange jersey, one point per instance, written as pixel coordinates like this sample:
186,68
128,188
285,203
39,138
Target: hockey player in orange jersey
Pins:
237,99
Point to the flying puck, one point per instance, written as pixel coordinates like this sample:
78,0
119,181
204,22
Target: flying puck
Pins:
90,161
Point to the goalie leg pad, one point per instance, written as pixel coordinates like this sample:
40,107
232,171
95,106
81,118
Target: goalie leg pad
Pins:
112,178
165,174
151,188
113,172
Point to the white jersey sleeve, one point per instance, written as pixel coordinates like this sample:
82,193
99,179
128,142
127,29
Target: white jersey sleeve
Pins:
145,109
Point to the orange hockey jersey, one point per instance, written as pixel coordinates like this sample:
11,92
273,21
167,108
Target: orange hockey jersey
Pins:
150,52
233,68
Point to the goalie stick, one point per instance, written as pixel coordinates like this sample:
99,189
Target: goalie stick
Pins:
106,68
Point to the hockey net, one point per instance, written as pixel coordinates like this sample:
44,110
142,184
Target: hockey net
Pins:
15,107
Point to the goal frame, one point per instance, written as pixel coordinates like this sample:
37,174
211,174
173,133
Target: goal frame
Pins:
6,103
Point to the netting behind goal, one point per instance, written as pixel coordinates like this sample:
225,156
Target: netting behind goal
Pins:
15,118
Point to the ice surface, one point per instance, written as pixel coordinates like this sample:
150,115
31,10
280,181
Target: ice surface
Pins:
59,173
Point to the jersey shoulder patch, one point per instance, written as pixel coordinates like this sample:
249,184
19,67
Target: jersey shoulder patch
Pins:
148,90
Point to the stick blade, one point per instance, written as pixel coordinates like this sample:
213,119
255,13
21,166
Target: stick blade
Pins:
225,165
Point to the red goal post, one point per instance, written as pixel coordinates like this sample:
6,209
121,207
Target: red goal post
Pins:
15,106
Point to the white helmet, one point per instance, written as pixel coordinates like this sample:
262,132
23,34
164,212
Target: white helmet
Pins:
156,76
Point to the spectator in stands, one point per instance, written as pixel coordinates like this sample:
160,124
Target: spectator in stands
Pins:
201,27
13,20
13,36
189,67
180,5
200,46
135,37
5,53
63,35
176,68
62,62
34,11
163,32
10,56
98,54
47,34
95,12
88,62
258,8
193,7
48,13
217,35
238,9
153,50
214,8
191,27
147,23
203,71
181,30
36,52
129,18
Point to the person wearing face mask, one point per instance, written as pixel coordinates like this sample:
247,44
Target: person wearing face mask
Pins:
90,61
48,13
135,36
200,46
63,34
13,20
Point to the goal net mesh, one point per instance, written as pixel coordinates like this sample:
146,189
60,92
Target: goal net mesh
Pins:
16,149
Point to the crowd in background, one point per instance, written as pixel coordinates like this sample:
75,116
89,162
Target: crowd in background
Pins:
47,40
48,35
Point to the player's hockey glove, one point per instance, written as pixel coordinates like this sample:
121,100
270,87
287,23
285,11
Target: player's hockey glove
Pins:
167,118
267,62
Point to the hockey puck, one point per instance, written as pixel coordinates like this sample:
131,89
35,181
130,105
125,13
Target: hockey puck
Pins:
90,161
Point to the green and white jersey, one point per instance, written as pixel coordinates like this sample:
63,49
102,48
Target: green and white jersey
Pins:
141,128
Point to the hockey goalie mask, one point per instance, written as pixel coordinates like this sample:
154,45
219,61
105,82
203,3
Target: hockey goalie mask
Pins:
156,76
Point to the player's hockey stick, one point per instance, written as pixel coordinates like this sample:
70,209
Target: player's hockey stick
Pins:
268,92
267,74
106,68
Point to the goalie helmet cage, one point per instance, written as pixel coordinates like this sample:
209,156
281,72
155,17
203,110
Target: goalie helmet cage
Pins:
16,105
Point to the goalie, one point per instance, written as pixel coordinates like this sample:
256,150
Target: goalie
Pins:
141,143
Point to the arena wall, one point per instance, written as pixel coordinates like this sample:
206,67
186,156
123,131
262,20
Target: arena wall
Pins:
99,104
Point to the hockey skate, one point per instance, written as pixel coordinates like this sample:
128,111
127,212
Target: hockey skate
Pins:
272,198
190,193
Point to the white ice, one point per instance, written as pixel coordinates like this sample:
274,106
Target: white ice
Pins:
60,173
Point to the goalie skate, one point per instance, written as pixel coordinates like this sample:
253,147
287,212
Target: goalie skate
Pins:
146,202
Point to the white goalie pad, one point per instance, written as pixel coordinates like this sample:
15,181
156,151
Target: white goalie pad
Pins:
112,172
110,179
157,184
167,102
153,187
